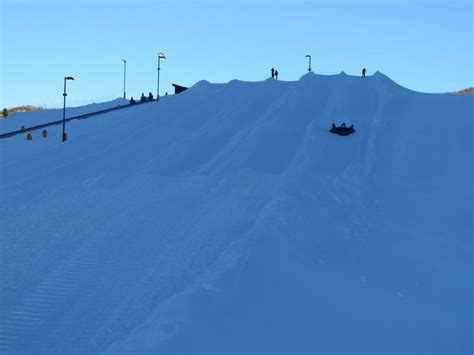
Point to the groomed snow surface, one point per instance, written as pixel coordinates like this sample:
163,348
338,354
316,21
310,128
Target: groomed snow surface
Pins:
228,219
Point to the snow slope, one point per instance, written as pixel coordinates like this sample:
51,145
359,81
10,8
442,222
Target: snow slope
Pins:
29,119
228,218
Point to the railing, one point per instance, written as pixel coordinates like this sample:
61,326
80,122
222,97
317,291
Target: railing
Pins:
87,115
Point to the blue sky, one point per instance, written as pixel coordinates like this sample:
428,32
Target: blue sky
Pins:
423,45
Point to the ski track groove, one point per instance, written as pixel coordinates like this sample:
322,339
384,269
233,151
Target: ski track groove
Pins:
86,269
47,298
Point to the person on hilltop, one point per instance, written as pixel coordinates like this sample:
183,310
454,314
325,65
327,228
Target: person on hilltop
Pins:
142,98
150,96
276,74
273,73
132,100
363,72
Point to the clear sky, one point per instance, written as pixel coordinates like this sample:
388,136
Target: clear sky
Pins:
423,45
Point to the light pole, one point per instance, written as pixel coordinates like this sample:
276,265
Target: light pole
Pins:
64,107
160,56
124,75
308,56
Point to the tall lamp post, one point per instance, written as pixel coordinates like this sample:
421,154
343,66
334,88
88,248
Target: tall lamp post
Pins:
308,56
160,56
64,107
124,75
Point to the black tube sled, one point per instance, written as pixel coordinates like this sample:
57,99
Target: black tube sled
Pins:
342,130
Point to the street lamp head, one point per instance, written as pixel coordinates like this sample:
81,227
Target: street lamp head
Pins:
123,60
161,56
308,56
69,78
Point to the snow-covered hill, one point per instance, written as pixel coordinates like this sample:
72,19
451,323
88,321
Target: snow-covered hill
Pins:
228,218
33,118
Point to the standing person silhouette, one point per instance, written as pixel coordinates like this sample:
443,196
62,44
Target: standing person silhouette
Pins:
276,74
273,73
363,72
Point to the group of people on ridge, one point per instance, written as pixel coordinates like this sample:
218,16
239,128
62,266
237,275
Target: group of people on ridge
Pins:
142,98
274,74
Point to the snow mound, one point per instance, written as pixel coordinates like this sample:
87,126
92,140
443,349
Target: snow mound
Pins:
29,119
228,218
